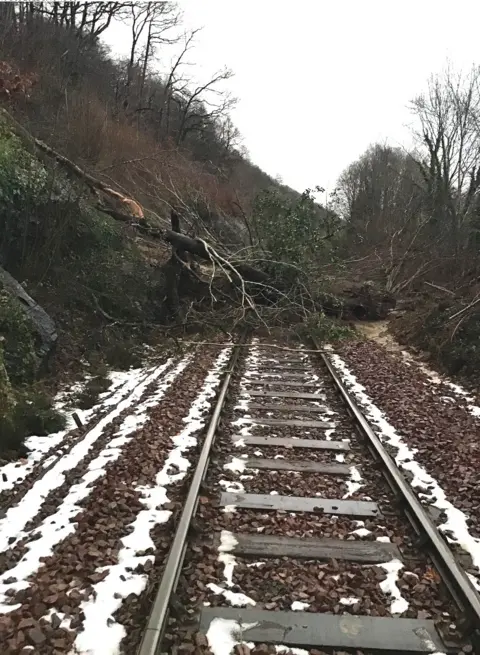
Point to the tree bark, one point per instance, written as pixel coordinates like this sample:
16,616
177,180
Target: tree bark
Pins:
197,247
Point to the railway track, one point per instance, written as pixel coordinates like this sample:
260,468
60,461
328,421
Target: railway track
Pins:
299,532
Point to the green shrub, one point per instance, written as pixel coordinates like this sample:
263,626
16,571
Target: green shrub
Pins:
124,355
18,341
88,397
324,329
25,414
35,415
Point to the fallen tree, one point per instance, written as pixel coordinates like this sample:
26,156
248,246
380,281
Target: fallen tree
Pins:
282,283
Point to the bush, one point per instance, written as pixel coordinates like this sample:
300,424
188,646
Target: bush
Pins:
35,415
124,355
23,183
88,397
24,414
454,344
324,329
18,341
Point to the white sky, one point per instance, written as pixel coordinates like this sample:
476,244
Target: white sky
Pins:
318,81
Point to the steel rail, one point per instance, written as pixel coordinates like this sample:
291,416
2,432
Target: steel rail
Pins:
439,551
154,632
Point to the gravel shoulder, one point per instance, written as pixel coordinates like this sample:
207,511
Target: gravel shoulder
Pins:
432,431
76,565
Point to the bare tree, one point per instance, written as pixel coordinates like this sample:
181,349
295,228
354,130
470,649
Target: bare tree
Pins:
87,19
162,18
381,197
205,104
151,25
449,137
174,82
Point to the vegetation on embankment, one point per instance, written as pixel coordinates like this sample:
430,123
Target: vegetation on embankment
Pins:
83,268
25,409
448,332
412,220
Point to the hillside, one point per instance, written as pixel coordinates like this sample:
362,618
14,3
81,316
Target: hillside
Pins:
98,160
131,215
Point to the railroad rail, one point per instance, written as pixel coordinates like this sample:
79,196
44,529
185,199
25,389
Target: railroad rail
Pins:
279,395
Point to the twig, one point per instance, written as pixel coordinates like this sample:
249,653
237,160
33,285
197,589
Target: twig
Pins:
462,311
260,345
437,286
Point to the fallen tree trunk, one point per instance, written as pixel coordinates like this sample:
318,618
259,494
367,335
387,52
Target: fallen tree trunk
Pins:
197,247
94,183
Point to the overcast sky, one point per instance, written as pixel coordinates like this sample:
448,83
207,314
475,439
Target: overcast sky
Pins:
317,80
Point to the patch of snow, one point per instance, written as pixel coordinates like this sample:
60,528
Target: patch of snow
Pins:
438,379
298,606
354,483
350,600
100,630
235,599
19,515
291,651
231,486
384,540
361,532
455,527
230,509
328,434
340,458
399,604
65,620
236,465
225,557
58,526
13,473
224,634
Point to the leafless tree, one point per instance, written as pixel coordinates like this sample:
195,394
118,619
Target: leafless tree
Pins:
205,103
175,83
151,25
449,137
382,200
88,19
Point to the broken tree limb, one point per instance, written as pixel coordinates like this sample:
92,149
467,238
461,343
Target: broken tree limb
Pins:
260,346
93,182
197,247
437,286
474,302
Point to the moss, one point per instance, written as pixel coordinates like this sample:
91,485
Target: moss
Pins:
23,414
